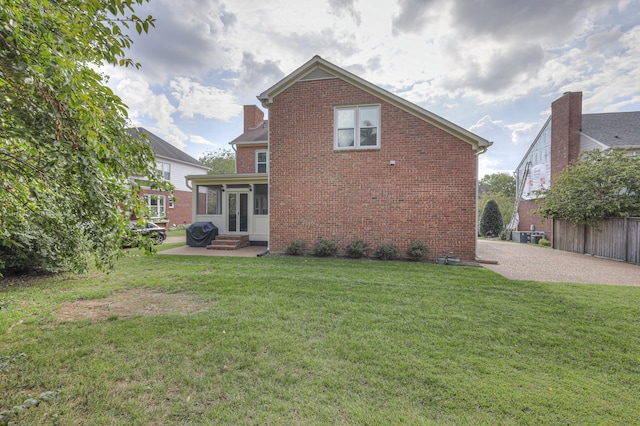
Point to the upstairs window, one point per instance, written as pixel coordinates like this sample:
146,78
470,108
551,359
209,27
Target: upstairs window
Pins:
261,162
357,127
164,169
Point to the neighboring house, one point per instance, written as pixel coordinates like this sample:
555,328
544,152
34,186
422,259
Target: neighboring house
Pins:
169,208
566,134
343,159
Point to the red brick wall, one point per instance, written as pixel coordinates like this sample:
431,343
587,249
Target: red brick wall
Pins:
429,194
526,219
252,116
246,158
181,212
566,122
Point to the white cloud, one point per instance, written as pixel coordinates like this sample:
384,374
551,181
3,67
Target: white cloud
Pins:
199,140
496,64
510,142
206,101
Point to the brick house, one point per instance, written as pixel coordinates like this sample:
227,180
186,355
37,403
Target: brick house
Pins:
566,134
174,165
343,160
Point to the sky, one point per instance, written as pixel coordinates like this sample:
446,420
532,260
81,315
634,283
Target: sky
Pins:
490,66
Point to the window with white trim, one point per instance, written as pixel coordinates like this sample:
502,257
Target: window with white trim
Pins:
157,205
164,169
357,127
262,163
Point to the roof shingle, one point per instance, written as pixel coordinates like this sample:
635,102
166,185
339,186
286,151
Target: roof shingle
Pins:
614,129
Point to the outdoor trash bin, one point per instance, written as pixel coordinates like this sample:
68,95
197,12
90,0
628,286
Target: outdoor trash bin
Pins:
200,234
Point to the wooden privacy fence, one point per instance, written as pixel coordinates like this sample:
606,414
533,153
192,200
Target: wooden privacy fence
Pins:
615,238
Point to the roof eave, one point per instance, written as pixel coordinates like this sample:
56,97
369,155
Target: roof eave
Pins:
249,143
317,62
229,178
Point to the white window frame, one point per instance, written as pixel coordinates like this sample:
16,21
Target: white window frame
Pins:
158,211
356,127
164,169
265,163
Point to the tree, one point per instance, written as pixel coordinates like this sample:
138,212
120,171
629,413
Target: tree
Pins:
220,162
491,221
505,204
500,183
65,158
603,184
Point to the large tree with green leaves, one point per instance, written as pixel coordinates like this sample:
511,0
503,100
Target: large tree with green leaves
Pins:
503,183
502,189
603,184
505,204
65,158
220,162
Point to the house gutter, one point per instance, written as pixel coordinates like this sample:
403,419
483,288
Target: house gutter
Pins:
481,150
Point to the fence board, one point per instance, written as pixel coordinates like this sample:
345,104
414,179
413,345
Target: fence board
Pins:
616,238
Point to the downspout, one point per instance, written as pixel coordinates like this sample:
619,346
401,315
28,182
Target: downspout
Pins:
235,154
481,150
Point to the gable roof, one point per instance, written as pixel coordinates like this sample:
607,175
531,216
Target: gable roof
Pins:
614,129
164,149
254,135
318,68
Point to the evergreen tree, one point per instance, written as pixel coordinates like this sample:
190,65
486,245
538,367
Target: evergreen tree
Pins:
491,222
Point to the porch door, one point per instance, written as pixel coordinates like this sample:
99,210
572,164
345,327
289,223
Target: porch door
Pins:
238,203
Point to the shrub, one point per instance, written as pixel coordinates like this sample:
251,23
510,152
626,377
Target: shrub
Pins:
418,250
356,249
505,234
387,252
35,248
544,242
296,248
491,222
324,248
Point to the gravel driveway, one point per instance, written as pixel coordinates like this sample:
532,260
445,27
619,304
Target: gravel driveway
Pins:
518,261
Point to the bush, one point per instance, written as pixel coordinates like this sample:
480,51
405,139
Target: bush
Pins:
418,250
356,249
36,248
296,248
491,222
388,252
505,234
324,248
544,242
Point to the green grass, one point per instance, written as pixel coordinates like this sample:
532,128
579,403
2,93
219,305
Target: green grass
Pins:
325,341
178,232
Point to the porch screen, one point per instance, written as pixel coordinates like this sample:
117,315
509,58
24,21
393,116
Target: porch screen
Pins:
261,199
209,199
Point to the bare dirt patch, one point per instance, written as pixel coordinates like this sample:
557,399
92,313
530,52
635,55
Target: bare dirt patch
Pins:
130,303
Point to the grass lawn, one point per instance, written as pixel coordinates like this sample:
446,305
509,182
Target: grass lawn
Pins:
286,341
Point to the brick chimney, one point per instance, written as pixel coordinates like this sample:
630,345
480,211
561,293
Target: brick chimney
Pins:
566,123
252,116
